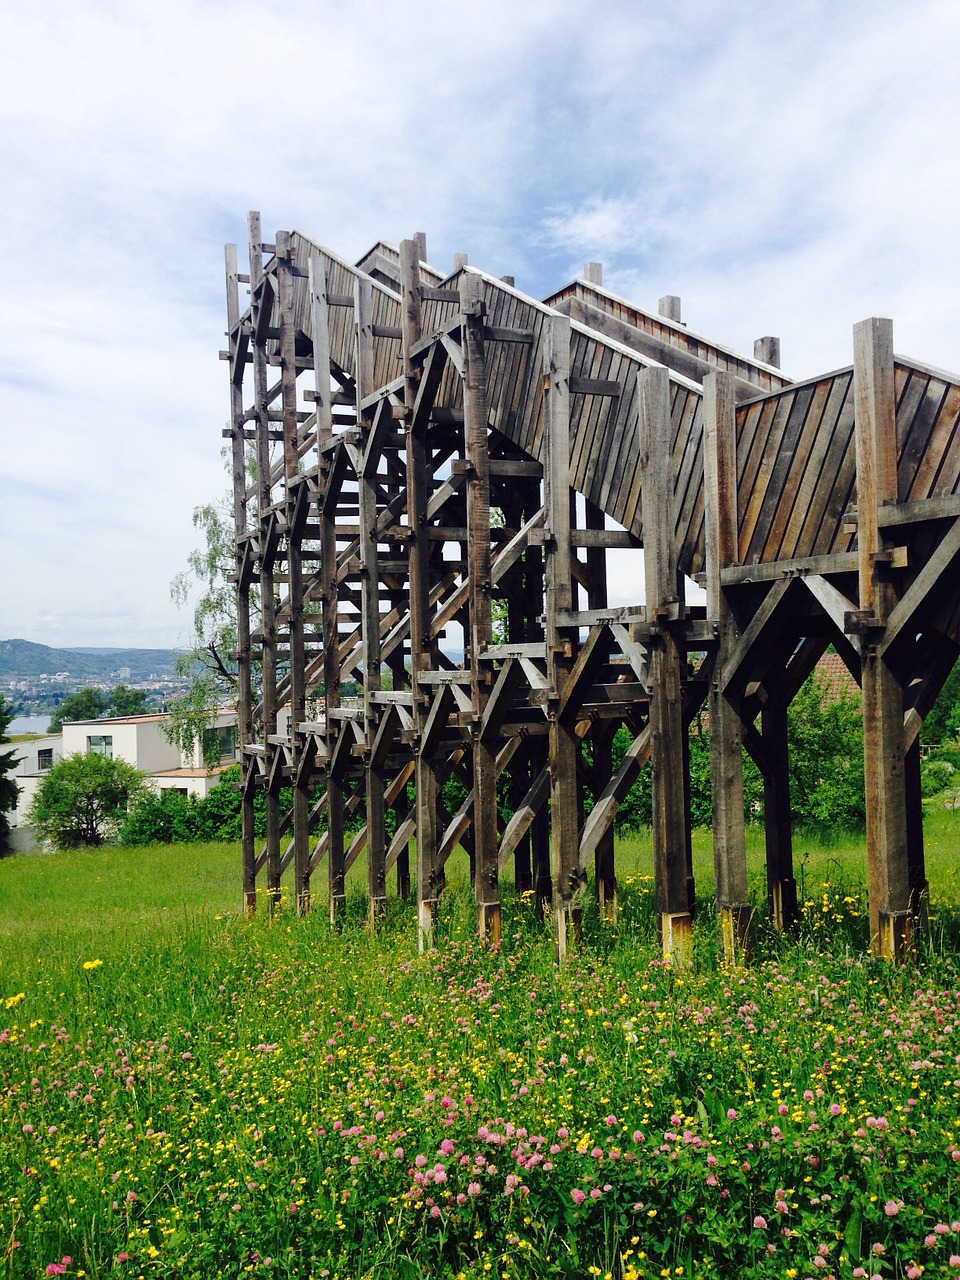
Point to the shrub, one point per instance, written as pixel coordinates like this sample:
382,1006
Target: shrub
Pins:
84,799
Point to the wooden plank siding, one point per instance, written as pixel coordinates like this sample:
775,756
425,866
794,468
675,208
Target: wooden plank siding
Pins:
668,334
928,429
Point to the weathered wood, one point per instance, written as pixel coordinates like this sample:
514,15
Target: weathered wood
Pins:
564,747
726,727
665,662
432,407
480,632
421,383
767,350
296,512
888,860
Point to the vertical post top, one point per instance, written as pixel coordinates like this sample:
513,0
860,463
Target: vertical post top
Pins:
767,350
669,307
593,272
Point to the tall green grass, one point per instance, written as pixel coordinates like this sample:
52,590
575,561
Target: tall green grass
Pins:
188,1093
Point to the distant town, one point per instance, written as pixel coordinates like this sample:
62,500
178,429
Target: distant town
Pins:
36,678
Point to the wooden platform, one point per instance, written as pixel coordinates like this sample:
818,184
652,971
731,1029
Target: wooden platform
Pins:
434,450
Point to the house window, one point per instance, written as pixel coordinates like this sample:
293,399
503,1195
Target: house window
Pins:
220,743
44,759
101,745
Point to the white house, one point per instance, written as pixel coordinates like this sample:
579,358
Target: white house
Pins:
34,758
140,741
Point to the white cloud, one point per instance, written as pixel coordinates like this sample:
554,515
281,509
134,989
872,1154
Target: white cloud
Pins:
786,170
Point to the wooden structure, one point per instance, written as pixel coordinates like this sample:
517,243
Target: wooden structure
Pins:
415,452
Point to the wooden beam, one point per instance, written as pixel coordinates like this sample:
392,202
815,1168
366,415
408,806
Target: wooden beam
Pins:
884,746
564,745
726,733
666,661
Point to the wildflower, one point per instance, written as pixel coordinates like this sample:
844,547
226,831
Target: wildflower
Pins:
578,1196
760,1223
891,1208
91,964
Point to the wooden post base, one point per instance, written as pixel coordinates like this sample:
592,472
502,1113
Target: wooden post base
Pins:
489,922
377,910
735,931
608,901
303,902
895,936
783,903
676,937
426,921
249,902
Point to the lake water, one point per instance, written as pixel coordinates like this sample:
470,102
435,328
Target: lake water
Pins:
28,724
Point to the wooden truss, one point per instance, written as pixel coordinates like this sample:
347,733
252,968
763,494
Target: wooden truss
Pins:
428,451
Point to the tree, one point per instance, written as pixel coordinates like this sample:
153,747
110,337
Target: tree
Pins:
128,702
209,665
943,719
85,704
84,799
9,791
825,737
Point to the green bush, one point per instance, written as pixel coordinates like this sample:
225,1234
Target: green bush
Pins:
84,800
935,776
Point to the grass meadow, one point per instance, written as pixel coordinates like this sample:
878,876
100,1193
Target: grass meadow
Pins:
188,1093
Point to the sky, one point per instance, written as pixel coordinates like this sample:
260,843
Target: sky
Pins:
786,169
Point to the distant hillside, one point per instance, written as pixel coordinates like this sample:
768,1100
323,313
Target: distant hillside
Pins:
21,659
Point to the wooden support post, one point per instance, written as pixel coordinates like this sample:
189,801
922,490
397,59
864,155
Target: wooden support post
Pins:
919,888
560,640
669,307
319,320
370,594
593,272
666,661
243,571
781,886
427,788
260,301
888,860
767,350
726,727
480,634
601,739
329,614
296,504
